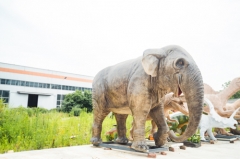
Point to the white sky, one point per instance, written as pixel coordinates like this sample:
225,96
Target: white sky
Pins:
85,36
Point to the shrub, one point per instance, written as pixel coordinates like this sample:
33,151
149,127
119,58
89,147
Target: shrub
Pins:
75,111
77,99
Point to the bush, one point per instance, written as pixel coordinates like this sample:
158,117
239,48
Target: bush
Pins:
75,111
77,99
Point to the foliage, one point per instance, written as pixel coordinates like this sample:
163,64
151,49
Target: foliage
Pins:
236,95
195,138
2,105
24,129
75,111
77,99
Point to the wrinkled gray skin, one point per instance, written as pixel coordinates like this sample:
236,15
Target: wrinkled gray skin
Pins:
137,86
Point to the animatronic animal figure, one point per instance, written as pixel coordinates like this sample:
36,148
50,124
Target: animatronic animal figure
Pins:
137,86
181,124
219,99
214,120
170,103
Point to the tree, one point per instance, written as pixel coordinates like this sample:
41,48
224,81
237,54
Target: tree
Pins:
77,99
236,95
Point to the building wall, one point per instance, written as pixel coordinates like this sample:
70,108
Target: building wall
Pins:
47,97
17,100
47,101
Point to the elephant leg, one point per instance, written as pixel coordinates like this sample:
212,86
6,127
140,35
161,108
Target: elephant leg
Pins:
121,128
154,127
139,120
98,116
157,114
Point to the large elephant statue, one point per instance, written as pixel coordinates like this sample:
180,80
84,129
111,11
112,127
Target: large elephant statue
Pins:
137,86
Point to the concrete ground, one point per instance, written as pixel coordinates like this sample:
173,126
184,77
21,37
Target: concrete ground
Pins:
219,150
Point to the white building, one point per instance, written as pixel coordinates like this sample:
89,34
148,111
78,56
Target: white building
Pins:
34,87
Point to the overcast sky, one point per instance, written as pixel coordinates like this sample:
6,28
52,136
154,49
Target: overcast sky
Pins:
85,36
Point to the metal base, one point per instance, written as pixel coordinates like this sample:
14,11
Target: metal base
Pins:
227,137
231,139
127,147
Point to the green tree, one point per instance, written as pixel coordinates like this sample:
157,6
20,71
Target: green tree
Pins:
77,99
236,95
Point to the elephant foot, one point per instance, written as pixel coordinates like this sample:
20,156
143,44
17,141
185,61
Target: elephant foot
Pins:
160,140
122,140
140,146
96,141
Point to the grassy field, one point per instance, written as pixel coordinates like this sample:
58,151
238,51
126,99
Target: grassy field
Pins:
30,129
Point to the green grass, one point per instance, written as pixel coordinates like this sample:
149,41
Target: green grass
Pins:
31,129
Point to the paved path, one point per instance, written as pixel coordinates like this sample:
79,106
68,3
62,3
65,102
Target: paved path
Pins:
219,150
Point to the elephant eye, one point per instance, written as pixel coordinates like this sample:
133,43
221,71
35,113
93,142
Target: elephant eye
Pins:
180,63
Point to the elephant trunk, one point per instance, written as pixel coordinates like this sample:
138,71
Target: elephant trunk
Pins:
193,90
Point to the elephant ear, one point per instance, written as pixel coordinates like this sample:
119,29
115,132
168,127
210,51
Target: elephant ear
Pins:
151,59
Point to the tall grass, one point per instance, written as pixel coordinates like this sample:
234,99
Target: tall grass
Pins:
30,129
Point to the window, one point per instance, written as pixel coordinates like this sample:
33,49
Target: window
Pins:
17,83
41,85
8,81
13,82
23,83
58,86
3,81
55,86
60,98
31,84
35,84
4,95
66,88
73,88
27,83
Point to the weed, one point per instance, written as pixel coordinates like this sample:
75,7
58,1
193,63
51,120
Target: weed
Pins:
36,128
